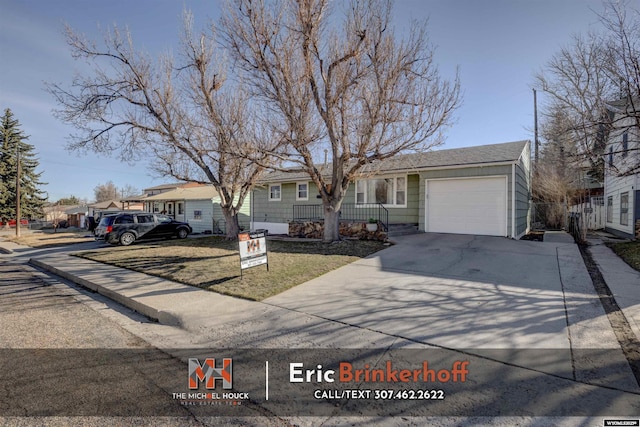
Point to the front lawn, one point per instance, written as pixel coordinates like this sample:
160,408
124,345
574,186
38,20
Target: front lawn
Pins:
49,239
213,263
629,252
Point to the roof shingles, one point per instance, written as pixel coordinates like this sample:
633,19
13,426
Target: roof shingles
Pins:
467,156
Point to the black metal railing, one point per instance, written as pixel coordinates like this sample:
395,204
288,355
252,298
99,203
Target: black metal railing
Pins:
308,212
348,212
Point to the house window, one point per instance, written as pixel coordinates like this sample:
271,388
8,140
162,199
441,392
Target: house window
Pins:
275,193
624,209
156,207
197,215
610,209
401,190
390,191
610,156
625,144
361,188
180,208
302,191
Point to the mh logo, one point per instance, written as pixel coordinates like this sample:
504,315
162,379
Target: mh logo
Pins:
208,373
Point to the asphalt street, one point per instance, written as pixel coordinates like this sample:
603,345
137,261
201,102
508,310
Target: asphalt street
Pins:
54,334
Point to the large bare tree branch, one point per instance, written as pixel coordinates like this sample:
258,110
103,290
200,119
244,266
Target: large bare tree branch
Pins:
596,82
193,120
357,89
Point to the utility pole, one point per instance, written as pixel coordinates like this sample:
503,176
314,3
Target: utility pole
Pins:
18,189
535,126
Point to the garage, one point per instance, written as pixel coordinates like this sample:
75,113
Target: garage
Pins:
467,206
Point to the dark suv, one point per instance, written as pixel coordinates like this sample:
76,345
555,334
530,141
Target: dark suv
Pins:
126,228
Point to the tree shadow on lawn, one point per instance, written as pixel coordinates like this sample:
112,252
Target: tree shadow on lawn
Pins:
169,264
359,248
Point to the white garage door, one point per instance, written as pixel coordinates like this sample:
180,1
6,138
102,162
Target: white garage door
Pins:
467,206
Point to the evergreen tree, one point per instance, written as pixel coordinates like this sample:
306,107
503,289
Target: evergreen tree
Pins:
12,141
68,201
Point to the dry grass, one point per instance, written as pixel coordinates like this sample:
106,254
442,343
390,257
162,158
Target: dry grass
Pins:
48,239
213,263
629,252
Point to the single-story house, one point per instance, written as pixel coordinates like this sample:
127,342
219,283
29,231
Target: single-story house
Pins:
621,176
55,213
197,205
77,215
484,190
107,206
133,203
163,188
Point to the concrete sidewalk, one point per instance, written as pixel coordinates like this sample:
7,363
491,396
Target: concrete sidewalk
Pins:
165,301
622,280
211,319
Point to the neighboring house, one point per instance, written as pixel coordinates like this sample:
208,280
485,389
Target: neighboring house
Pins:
198,205
77,215
107,206
156,205
588,198
55,213
163,188
133,203
621,186
483,190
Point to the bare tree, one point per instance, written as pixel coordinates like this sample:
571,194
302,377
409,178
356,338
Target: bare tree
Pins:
353,87
104,192
128,191
558,171
185,116
623,46
596,79
579,87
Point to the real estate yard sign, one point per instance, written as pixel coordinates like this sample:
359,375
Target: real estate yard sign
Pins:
253,249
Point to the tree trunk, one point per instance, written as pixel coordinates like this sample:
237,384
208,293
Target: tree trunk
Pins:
231,218
331,224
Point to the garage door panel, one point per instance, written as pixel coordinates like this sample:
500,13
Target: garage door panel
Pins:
467,206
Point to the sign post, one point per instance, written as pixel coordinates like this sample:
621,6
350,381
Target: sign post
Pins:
253,249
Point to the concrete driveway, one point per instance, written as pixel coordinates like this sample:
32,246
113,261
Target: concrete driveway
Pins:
461,291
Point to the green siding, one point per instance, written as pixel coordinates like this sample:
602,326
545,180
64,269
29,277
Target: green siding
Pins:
523,193
265,210
282,211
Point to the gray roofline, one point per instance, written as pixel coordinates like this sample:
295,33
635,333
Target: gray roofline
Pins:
294,175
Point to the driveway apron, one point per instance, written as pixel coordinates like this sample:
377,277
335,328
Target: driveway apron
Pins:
467,292
456,291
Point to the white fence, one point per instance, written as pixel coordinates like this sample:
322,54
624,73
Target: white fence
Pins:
592,212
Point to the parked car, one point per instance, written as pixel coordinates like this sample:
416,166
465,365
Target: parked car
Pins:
12,223
126,228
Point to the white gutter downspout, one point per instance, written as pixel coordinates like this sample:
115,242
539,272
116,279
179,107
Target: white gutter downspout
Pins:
513,200
251,207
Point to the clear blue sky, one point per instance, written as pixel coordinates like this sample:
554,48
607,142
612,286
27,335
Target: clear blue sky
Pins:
498,45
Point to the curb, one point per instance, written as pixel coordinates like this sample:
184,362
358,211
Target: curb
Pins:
5,250
154,314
